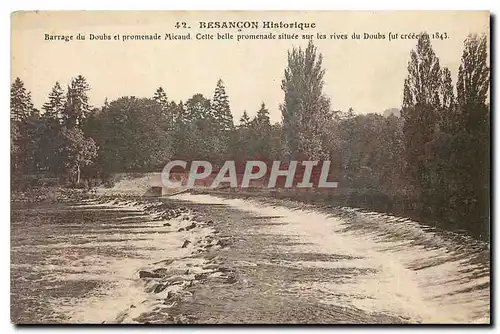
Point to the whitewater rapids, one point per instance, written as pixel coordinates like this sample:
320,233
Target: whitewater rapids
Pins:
408,270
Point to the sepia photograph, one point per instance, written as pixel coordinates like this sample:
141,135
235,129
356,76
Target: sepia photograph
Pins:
250,167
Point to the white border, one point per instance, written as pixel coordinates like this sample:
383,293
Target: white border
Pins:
8,7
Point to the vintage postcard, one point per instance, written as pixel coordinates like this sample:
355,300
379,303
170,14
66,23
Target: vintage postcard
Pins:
250,167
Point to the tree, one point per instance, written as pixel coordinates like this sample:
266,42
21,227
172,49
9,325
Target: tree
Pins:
180,114
51,118
305,108
421,106
473,73
261,134
262,118
77,150
208,140
371,148
198,108
220,108
472,142
278,144
473,83
244,120
21,110
447,138
240,147
14,138
132,136
448,115
169,109
54,107
38,143
447,93
77,102
21,106
161,97
423,83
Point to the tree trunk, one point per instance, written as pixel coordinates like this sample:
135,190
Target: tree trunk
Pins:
78,174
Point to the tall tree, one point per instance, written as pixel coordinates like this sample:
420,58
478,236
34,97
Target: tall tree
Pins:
423,83
421,106
207,138
21,106
77,102
220,108
448,114
473,81
169,109
305,108
472,143
54,107
447,90
21,110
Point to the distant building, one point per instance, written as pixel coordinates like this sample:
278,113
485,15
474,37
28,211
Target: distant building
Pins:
392,111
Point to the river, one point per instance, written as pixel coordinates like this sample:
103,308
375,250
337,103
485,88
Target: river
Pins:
79,263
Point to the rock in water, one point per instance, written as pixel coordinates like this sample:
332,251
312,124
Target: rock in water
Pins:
171,297
161,271
224,242
147,274
201,276
231,279
167,224
159,288
190,227
184,245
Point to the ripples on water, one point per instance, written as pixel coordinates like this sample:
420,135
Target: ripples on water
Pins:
394,265
80,263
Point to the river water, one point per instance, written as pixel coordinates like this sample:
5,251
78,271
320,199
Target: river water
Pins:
386,265
79,263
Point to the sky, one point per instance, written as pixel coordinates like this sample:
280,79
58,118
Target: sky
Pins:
365,74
